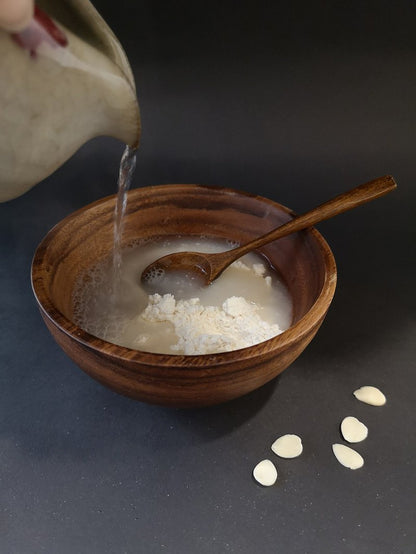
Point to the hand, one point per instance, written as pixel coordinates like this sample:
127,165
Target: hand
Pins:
15,15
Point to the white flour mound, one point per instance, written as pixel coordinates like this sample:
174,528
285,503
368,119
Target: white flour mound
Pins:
209,329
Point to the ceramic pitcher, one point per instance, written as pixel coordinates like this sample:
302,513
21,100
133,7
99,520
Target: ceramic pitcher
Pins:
63,80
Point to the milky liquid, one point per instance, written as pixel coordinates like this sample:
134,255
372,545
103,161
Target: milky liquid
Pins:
115,318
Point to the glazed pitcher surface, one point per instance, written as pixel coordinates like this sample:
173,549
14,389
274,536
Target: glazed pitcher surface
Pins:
63,80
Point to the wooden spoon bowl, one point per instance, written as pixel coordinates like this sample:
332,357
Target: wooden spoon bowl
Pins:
84,238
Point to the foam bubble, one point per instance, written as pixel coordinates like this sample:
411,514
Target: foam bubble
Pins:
153,274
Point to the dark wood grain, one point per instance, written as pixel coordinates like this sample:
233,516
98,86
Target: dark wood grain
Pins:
209,266
85,237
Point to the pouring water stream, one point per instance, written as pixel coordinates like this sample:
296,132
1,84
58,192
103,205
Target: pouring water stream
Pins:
127,167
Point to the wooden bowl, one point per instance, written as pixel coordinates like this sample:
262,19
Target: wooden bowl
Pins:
304,260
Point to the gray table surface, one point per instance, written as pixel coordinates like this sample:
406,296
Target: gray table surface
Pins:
297,104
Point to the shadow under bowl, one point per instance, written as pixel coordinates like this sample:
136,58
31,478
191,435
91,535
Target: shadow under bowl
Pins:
85,237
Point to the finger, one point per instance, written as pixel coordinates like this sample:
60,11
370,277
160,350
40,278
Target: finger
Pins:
15,15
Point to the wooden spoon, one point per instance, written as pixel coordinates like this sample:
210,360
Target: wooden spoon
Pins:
208,267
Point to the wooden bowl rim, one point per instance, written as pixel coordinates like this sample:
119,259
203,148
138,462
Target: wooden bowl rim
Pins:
281,342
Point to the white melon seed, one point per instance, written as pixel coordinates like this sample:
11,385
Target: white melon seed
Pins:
288,446
370,395
347,456
265,473
353,430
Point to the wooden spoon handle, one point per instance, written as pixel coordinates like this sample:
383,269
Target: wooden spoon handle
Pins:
341,203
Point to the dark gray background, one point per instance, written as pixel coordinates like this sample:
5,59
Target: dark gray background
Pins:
297,102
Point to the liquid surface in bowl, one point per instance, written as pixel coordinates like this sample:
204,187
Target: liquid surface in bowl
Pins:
247,304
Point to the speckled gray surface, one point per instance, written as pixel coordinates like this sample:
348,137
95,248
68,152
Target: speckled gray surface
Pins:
297,105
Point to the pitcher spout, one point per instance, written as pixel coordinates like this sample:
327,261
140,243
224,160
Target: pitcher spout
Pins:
68,80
